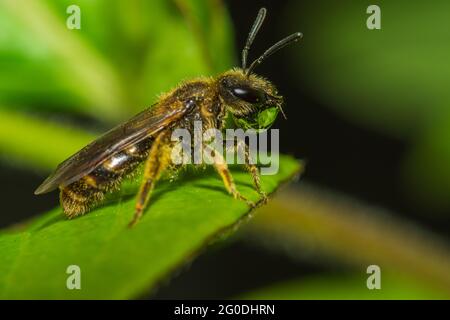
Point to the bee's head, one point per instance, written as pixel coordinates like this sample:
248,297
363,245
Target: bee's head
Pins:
252,100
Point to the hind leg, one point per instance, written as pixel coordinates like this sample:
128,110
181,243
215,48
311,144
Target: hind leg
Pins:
157,161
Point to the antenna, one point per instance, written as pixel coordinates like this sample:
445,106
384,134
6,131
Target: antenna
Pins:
277,46
251,36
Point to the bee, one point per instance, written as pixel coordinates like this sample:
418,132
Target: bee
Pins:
99,168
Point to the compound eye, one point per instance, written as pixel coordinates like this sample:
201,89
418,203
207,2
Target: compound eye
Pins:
249,95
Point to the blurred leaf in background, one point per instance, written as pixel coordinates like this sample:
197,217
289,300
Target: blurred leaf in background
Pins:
317,225
124,55
344,287
394,80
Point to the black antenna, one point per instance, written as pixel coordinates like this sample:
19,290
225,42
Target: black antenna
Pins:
277,46
251,36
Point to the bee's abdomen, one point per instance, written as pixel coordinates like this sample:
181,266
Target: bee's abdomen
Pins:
81,195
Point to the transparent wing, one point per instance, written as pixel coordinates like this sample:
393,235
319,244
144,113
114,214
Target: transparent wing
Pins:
143,125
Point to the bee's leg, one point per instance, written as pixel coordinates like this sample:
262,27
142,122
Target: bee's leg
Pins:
254,171
222,168
158,159
251,167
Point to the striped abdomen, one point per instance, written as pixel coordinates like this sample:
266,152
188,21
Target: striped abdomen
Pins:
78,197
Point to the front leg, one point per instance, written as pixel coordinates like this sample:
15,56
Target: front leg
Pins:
157,161
222,168
251,167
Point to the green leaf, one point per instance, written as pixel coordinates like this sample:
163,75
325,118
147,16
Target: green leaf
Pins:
118,262
260,121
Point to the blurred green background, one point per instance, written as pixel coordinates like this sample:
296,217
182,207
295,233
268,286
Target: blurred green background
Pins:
368,109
